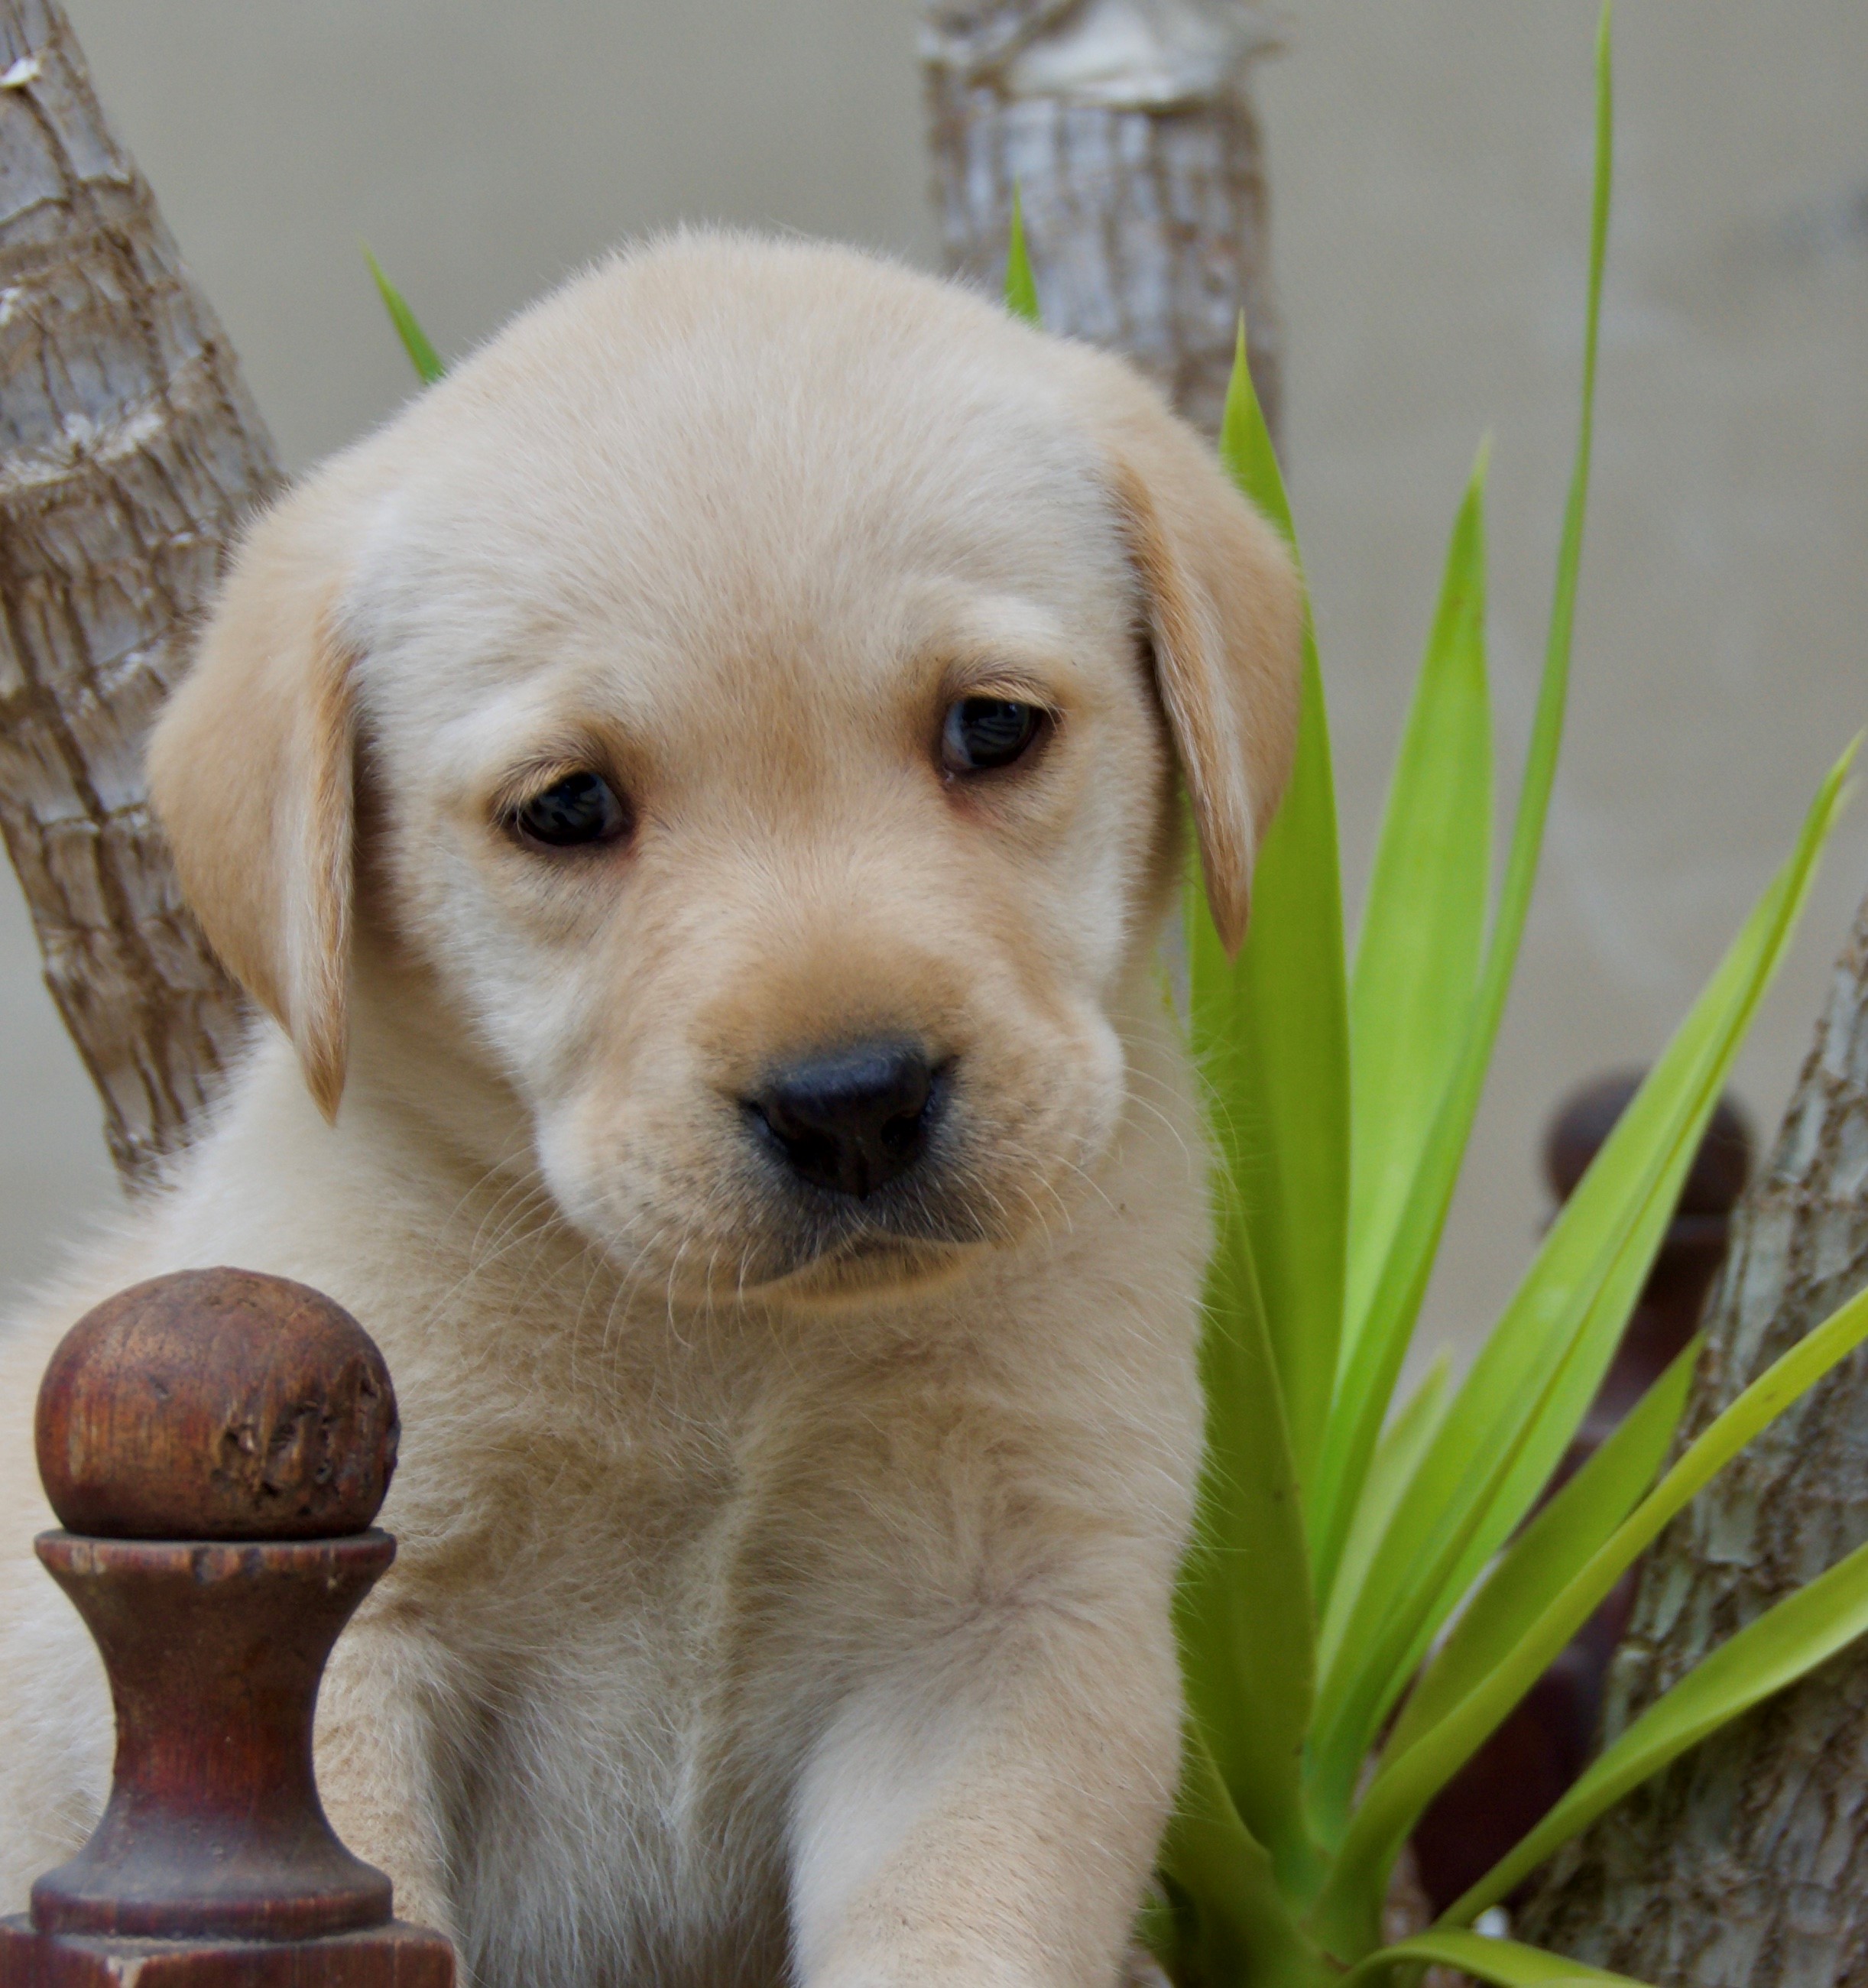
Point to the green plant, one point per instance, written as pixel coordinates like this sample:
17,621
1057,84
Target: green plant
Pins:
1335,1540
422,355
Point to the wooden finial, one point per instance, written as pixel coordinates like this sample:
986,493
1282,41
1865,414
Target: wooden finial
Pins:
1582,1122
217,1443
216,1404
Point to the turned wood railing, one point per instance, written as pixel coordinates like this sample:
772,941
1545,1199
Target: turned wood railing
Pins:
216,1445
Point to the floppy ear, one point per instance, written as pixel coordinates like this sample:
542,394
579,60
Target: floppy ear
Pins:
1224,616
250,773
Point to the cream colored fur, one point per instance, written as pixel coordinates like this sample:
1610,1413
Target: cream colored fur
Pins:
771,1597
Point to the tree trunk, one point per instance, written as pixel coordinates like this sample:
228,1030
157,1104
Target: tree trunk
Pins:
1746,1865
1126,127
128,451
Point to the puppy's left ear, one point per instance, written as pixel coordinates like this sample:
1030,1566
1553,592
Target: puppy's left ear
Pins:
250,772
1224,619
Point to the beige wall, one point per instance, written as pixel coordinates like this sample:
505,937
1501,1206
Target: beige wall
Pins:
1429,162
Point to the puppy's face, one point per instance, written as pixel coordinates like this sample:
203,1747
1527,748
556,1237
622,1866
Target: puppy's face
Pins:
766,670
787,835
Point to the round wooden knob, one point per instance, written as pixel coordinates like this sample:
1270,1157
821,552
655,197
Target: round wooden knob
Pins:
216,1404
1720,1170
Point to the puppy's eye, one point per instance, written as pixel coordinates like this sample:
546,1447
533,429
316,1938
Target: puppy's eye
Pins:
581,808
981,733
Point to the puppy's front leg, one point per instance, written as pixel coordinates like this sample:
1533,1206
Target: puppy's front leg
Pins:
985,1814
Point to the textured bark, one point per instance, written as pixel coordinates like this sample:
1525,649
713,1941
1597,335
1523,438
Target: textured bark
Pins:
128,451
1746,1865
1126,128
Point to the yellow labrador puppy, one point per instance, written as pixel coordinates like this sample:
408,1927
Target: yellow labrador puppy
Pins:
698,794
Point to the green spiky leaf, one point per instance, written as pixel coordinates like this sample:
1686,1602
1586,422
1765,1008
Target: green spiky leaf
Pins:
1534,1378
1505,1961
1243,1604
1397,1289
1803,1631
422,355
1423,928
1020,286
1271,1029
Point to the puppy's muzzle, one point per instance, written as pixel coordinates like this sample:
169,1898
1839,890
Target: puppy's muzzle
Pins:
850,1120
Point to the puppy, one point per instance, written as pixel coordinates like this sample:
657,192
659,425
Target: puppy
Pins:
696,793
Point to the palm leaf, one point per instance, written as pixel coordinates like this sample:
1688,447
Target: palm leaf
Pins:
1403,1446
1503,1961
1532,1381
1368,1383
1270,1030
1802,1631
1744,1680
1243,1606
1419,1767
1423,932
1550,1550
422,355
1021,286
1243,1929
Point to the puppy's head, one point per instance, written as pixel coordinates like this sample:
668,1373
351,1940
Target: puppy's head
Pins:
759,676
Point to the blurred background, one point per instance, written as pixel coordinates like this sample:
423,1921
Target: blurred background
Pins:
1429,172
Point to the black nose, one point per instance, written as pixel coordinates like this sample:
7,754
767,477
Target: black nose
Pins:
851,1119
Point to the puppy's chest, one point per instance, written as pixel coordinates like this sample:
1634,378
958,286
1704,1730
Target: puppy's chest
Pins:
632,1705
608,1580
604,1805
658,1631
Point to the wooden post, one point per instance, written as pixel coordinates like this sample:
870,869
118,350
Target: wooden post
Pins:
129,452
216,1444
1126,127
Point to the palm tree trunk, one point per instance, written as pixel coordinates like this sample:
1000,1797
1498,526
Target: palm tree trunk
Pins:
1746,1865
128,451
1126,127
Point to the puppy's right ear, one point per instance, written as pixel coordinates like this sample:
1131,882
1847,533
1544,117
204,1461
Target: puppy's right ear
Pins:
250,773
1224,615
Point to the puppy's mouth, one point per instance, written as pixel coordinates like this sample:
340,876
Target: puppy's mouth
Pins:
774,1215
850,1245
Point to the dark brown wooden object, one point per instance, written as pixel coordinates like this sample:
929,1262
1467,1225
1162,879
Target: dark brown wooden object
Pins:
225,1440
